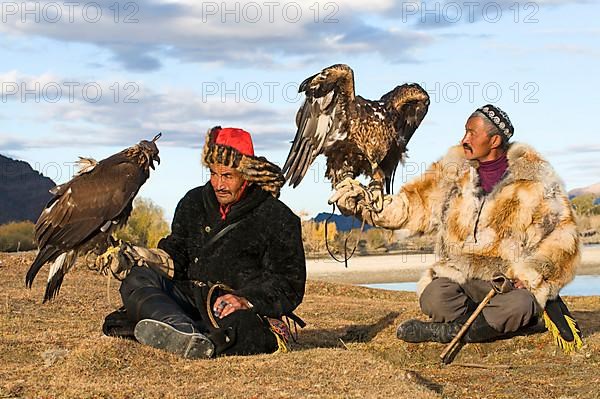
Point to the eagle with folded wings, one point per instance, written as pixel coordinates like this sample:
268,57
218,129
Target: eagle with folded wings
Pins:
358,136
85,211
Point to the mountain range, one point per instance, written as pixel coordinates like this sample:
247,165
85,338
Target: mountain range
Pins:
592,189
342,223
23,191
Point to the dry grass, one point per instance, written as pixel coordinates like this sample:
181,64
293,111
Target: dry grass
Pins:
347,350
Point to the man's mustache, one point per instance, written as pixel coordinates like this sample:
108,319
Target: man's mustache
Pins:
467,147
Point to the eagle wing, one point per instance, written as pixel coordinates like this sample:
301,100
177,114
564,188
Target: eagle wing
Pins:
411,105
82,209
321,120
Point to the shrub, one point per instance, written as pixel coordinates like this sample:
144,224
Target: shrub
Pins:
584,205
17,236
377,238
146,225
313,236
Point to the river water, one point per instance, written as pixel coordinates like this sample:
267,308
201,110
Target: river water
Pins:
581,286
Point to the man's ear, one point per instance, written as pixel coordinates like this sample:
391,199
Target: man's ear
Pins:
496,141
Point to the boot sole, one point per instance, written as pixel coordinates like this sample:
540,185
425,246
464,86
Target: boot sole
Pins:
163,336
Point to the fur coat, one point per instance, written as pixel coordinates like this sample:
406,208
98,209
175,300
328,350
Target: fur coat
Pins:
524,228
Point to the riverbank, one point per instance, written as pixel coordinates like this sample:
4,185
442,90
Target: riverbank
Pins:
404,268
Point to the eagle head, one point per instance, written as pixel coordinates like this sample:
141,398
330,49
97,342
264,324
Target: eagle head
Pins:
405,95
150,151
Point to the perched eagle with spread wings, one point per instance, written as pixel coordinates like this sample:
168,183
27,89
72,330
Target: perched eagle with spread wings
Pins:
86,210
358,136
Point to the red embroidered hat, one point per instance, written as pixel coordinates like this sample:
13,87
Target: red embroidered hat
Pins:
233,147
235,138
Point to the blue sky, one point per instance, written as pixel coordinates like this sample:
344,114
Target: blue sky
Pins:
80,79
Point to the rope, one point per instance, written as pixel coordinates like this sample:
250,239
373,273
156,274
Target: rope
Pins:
346,257
211,290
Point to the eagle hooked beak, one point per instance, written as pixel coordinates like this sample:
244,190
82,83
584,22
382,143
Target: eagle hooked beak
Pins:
154,158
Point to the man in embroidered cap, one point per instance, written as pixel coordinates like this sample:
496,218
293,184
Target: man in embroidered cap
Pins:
497,208
238,262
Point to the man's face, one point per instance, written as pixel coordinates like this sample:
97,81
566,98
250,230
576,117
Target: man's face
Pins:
477,144
226,182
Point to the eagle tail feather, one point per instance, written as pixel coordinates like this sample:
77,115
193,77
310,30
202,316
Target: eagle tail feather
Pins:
43,256
59,268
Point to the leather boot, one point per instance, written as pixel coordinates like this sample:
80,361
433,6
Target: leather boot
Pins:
118,324
422,331
188,344
481,331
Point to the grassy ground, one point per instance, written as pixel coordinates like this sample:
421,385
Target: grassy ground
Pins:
348,349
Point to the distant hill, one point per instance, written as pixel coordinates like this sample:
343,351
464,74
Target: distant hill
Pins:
23,191
342,223
593,189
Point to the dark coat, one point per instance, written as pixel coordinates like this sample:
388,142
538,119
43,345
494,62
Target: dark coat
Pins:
261,257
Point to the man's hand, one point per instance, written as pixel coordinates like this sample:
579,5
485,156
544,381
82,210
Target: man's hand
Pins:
518,284
351,198
229,303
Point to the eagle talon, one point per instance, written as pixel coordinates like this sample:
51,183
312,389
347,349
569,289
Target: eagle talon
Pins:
376,199
103,261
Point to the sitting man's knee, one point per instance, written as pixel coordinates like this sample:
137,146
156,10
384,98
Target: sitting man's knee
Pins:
443,300
510,311
139,277
523,302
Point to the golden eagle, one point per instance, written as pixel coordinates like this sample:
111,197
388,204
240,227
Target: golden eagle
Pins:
358,136
87,209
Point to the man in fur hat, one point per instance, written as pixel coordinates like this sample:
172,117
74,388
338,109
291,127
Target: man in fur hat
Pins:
497,208
237,262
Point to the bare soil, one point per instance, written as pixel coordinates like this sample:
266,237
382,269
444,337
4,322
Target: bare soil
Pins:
348,349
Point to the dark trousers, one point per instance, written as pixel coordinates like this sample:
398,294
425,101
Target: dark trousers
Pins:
147,294
445,300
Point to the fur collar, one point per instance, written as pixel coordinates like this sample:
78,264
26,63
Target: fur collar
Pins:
524,163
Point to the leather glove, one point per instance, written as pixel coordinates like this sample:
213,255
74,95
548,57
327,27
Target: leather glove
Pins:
351,198
156,259
120,261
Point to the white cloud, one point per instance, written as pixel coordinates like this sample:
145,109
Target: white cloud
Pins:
574,49
181,114
230,32
572,150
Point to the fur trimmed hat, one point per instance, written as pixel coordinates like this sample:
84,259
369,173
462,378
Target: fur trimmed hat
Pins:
233,148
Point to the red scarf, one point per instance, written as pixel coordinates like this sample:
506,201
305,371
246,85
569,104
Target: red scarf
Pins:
224,209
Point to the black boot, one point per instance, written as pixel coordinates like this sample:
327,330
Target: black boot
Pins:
118,324
481,331
422,331
188,344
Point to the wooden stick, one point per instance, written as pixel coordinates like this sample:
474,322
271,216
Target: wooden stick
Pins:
465,327
483,366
